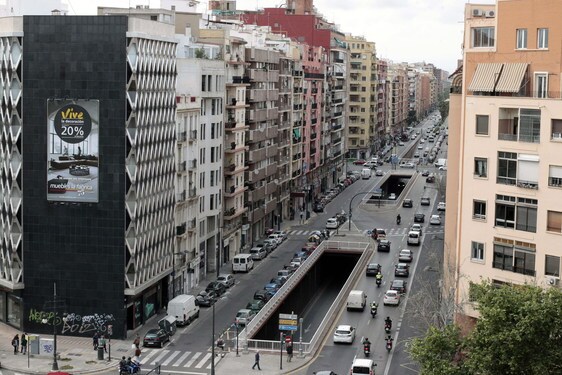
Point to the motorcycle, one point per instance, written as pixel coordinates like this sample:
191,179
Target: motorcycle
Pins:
398,220
378,281
387,327
133,368
367,350
388,345
373,310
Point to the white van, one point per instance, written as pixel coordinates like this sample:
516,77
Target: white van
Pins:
356,300
363,366
183,307
242,263
414,237
365,173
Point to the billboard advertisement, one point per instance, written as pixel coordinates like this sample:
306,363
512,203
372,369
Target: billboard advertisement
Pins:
73,150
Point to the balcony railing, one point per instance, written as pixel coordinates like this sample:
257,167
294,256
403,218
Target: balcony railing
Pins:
528,184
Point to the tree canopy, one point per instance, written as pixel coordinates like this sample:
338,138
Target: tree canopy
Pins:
519,332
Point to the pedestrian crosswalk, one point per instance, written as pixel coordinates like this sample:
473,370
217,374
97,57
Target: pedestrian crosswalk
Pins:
176,359
434,229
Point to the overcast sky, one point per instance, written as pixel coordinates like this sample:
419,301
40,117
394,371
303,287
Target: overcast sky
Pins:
403,30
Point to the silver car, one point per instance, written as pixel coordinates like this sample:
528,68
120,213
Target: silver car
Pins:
405,255
226,279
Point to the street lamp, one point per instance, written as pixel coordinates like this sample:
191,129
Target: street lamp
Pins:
213,343
55,316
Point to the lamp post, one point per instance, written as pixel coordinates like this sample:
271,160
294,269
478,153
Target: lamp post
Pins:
55,317
213,343
236,325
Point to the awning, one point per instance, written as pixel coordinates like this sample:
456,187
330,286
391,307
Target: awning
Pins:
511,77
485,77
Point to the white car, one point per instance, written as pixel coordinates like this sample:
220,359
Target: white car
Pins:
226,279
392,196
405,255
391,297
435,220
400,143
282,234
275,238
441,206
443,168
244,316
417,228
407,165
344,334
332,223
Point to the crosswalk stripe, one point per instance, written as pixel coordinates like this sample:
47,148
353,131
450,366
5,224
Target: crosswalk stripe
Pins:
159,358
182,358
192,360
202,362
169,359
147,357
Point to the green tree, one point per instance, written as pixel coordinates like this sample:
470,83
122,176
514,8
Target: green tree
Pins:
439,351
519,332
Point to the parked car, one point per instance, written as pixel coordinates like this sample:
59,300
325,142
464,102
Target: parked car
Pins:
384,245
276,238
244,316
402,269
263,295
318,207
271,287
430,178
267,246
271,243
372,269
379,172
405,255
216,287
359,162
419,217
425,173
408,203
155,337
258,253
391,297
279,280
226,279
399,286
205,299
255,305
425,201
435,220
441,206
344,334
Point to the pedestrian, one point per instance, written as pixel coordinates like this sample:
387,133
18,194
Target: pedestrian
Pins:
257,363
137,341
289,352
302,214
24,343
138,354
102,343
95,340
16,343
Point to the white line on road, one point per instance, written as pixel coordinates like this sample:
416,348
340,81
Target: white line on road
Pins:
159,358
147,357
184,356
195,356
202,362
169,359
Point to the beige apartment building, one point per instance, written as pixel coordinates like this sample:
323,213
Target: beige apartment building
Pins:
504,206
362,85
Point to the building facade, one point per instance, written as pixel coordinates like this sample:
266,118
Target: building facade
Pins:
505,127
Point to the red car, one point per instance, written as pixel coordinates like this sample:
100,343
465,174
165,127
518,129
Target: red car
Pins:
359,162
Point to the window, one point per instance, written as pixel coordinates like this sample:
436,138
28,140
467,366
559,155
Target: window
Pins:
542,38
517,259
482,124
526,216
477,251
528,171
555,176
203,83
551,265
480,167
541,85
479,209
507,168
212,154
212,182
521,39
505,211
483,37
556,129
530,125
554,221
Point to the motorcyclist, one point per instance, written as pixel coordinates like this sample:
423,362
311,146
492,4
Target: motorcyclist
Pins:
220,343
367,343
389,341
378,278
123,362
388,322
398,219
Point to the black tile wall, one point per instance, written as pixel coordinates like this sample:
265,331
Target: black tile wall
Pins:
80,247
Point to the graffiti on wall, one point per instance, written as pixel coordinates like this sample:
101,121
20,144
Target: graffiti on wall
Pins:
73,323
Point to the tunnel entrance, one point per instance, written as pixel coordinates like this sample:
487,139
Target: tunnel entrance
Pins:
395,183
328,275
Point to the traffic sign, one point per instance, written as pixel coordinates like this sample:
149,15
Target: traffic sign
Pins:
288,322
287,328
288,316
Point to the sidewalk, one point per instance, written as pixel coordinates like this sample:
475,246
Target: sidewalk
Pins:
269,364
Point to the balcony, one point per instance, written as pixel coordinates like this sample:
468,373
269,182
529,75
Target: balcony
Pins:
256,194
533,185
272,132
336,127
272,113
312,165
182,167
337,114
296,173
180,197
192,135
270,206
181,230
296,107
312,152
255,175
232,213
256,155
313,136
257,95
271,169
192,164
257,135
182,137
257,214
271,151
297,90
285,124
258,115
270,188
192,193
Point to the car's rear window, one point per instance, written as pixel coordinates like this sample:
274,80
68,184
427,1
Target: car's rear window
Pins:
360,370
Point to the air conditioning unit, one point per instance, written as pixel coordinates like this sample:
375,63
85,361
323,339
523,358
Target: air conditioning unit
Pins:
490,13
477,13
552,280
